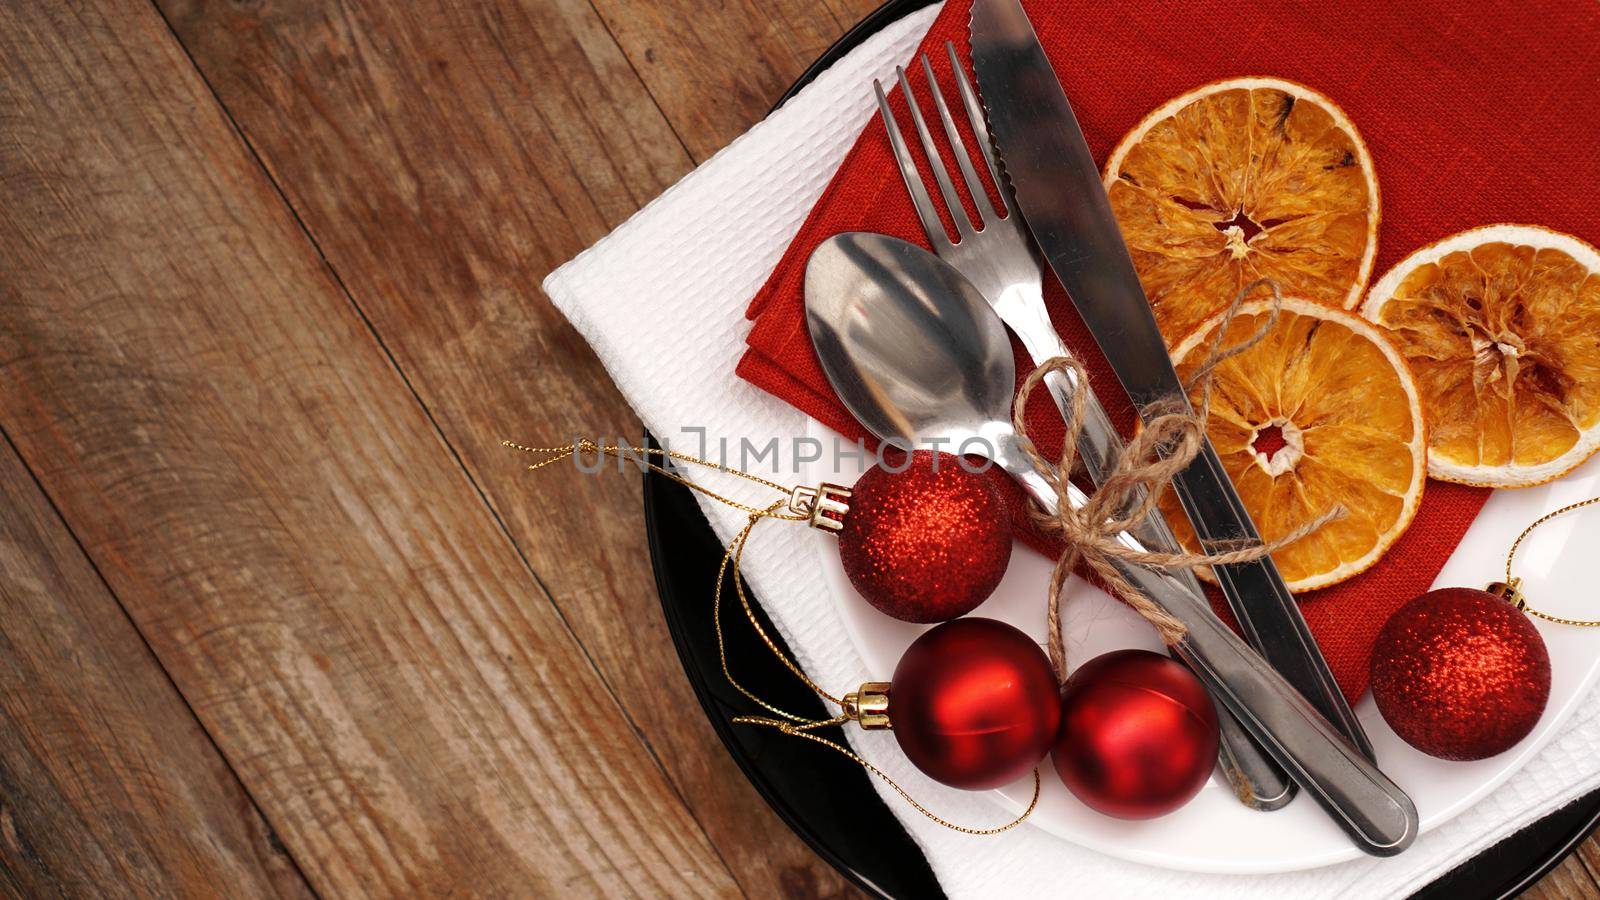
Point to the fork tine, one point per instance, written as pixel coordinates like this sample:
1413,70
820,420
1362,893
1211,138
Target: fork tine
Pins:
952,200
980,128
926,211
980,196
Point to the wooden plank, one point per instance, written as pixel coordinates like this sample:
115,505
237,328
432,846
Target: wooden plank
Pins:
108,785
848,12
1568,881
714,69
446,156
1588,853
257,484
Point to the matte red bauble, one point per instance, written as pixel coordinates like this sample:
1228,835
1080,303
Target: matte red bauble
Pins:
974,703
1138,735
927,543
1460,674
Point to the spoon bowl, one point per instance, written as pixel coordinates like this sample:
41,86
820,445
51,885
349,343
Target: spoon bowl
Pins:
910,345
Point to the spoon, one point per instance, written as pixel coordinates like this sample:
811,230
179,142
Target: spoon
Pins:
920,360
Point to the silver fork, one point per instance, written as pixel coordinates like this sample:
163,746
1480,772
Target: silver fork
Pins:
999,259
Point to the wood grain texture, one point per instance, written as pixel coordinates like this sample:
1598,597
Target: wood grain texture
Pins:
446,156
850,12
108,785
251,474
1588,853
716,68
1571,880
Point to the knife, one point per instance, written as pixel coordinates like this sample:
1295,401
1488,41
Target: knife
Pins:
1058,189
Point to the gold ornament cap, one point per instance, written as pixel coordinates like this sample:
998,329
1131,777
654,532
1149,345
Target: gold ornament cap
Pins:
1507,591
869,705
824,506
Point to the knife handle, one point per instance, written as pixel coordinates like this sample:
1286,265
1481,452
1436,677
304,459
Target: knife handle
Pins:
1377,815
1361,800
1256,592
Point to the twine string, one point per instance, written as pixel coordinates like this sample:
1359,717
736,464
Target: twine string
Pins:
1173,434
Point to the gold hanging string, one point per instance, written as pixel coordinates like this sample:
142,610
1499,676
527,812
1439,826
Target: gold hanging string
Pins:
788,723
1512,583
804,730
799,726
1172,436
731,558
618,451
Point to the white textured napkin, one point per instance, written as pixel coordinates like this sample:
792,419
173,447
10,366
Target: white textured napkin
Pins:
662,300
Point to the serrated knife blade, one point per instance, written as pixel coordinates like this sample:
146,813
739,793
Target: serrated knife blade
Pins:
1059,191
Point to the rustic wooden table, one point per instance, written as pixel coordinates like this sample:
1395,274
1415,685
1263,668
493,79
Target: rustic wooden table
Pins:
279,616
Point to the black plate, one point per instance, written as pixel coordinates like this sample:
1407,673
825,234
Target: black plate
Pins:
828,800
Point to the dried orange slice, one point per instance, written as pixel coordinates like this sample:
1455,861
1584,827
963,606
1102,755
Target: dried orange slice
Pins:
1322,412
1501,325
1239,180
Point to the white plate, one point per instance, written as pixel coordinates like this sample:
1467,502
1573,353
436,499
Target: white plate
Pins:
1214,832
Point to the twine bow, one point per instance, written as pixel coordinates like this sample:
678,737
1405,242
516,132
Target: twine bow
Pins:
1173,434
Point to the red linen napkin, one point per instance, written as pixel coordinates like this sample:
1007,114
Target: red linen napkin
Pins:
1474,113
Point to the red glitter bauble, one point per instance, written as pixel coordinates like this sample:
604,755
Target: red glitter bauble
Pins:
926,543
1460,674
1138,735
974,703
